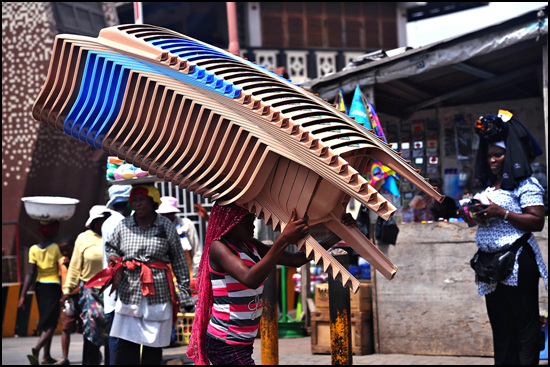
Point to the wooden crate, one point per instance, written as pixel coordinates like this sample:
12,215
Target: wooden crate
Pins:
359,302
362,341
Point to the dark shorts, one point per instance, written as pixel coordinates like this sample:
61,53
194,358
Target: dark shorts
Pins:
220,353
72,323
47,297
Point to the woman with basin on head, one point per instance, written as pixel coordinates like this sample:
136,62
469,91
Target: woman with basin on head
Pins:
43,266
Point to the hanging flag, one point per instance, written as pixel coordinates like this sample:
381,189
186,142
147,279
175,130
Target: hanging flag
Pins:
375,122
378,175
359,109
376,171
391,184
340,103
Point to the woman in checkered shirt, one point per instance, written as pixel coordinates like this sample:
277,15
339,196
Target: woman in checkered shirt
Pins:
146,304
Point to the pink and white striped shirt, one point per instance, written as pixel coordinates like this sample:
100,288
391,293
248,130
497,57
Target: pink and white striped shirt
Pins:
237,309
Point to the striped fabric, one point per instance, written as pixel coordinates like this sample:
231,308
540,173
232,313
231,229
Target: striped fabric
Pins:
237,310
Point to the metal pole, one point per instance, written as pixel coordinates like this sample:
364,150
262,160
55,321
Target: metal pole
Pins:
340,318
18,252
305,295
232,28
138,13
269,328
18,246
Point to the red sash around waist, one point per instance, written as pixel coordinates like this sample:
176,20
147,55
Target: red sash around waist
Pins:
112,274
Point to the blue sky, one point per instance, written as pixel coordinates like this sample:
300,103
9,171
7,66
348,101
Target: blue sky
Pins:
424,32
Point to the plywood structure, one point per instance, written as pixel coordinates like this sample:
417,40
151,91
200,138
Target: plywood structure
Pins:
218,125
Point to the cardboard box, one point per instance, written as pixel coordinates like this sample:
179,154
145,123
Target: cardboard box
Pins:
362,338
359,302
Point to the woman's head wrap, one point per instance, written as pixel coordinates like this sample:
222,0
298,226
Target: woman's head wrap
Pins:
499,144
147,190
222,220
48,228
521,150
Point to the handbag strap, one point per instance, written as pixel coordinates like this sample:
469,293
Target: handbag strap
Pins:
519,242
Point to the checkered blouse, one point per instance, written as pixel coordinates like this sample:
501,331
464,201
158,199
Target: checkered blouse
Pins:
159,241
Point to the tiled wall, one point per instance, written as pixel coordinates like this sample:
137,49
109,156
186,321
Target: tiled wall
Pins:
27,40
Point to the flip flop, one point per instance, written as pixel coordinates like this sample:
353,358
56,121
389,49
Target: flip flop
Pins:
33,360
49,360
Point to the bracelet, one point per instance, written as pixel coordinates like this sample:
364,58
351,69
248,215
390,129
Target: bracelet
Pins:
506,215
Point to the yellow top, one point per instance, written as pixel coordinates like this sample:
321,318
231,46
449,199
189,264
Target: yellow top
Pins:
86,261
63,270
46,262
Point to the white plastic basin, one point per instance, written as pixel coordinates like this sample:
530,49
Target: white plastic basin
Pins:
50,208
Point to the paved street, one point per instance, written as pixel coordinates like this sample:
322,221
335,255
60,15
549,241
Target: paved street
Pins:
292,351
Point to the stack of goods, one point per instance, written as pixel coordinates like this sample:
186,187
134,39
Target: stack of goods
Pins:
117,169
221,127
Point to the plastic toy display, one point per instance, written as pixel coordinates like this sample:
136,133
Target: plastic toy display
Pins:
117,169
216,124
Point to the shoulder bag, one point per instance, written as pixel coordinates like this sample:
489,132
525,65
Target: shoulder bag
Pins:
386,231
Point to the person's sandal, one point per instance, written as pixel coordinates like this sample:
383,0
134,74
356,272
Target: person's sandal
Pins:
48,360
33,358
62,361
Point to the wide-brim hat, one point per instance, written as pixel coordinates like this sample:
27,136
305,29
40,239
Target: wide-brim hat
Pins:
118,194
168,205
97,211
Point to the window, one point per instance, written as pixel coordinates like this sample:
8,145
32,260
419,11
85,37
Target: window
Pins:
81,18
329,24
204,21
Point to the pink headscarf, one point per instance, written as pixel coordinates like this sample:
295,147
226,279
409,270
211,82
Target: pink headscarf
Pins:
222,219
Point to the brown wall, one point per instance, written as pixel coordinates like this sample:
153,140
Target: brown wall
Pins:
27,40
36,159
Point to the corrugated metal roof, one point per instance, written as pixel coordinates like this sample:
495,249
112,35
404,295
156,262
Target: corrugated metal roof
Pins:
500,62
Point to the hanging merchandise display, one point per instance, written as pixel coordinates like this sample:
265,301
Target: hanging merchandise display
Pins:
340,103
432,158
405,137
418,144
377,174
451,186
392,135
359,109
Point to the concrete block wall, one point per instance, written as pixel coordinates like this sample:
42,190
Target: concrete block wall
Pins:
431,306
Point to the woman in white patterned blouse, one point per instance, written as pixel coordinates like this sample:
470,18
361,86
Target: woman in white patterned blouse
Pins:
514,209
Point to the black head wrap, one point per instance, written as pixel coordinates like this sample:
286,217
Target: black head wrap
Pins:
521,150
